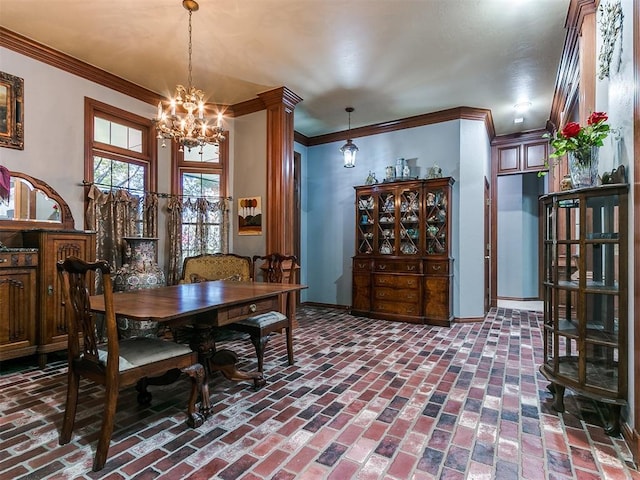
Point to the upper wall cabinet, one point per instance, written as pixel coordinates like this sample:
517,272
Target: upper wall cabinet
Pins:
526,153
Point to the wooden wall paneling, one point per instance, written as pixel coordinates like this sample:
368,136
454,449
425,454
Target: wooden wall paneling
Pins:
634,437
280,104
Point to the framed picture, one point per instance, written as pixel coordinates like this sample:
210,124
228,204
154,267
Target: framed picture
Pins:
11,111
250,216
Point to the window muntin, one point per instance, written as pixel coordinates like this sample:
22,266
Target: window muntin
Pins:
116,134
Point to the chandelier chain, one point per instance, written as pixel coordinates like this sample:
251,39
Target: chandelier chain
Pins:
190,50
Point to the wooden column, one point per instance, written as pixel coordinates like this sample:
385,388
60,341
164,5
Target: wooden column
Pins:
280,104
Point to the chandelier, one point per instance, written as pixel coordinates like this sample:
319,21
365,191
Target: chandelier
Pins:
349,149
184,120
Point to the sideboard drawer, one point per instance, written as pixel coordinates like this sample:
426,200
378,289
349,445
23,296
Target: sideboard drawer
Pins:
361,265
400,308
392,294
19,259
397,267
397,281
435,268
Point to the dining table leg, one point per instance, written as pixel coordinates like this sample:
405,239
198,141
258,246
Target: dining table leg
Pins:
223,361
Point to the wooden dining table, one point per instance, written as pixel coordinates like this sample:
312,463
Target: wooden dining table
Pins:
205,305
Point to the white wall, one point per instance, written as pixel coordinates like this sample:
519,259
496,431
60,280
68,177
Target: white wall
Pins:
304,196
475,157
248,180
615,96
330,213
54,127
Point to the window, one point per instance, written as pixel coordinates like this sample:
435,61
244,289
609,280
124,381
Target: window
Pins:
201,174
121,151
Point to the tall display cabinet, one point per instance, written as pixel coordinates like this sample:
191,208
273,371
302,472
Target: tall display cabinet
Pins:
584,281
402,269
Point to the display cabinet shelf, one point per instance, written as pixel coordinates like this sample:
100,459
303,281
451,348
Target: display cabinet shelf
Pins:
584,283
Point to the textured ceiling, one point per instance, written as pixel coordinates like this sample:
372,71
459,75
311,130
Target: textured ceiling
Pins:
389,59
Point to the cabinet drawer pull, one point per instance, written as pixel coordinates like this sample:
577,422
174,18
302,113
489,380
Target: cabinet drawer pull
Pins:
252,308
3,260
50,290
381,267
436,267
411,268
362,265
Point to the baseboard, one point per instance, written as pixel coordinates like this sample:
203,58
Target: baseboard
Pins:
519,299
631,437
468,320
326,305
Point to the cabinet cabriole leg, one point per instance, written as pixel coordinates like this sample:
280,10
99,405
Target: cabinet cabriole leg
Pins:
612,428
558,398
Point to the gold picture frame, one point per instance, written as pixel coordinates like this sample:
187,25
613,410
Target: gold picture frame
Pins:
11,111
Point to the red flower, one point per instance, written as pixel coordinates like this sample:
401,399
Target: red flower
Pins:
597,117
570,130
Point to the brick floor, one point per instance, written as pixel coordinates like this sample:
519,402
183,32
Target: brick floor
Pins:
366,399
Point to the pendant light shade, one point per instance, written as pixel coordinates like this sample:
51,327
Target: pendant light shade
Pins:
349,149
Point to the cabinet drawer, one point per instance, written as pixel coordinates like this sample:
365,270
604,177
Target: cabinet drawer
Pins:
397,281
361,280
240,312
361,265
437,268
392,294
397,267
18,259
401,308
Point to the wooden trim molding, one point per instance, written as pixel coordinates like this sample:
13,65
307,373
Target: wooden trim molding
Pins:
280,104
44,54
635,236
568,76
458,113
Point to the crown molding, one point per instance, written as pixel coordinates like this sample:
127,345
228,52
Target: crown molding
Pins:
568,76
458,113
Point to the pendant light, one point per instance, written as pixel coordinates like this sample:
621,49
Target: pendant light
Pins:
349,149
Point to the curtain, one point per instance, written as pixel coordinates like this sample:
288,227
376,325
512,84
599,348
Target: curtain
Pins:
117,214
195,227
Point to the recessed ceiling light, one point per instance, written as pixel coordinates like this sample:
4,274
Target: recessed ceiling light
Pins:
522,107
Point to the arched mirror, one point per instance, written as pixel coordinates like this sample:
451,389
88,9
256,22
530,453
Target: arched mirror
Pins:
33,203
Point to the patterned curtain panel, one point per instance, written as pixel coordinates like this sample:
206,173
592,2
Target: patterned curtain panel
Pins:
117,214
195,227
174,233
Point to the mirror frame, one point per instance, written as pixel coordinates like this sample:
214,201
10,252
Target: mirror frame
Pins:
66,218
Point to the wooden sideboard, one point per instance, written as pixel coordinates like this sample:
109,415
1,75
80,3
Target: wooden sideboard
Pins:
31,312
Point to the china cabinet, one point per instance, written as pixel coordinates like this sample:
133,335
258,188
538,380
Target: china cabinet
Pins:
584,282
402,269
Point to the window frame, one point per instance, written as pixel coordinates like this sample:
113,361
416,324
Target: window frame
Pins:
179,166
148,157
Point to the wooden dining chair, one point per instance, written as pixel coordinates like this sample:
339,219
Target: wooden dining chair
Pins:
276,268
118,363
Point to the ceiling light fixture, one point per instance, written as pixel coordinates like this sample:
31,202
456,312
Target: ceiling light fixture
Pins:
183,126
522,107
349,149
